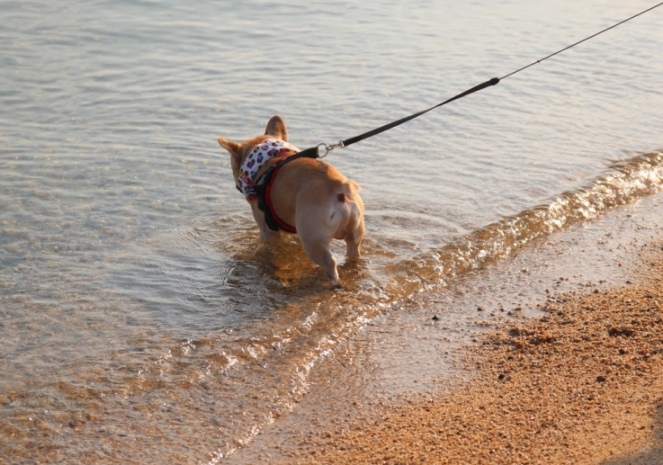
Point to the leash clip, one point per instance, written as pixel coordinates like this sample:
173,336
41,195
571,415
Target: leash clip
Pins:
328,148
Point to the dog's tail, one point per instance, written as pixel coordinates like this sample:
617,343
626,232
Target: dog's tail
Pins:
345,205
347,191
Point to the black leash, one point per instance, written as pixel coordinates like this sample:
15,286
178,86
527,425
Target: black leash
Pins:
314,152
366,135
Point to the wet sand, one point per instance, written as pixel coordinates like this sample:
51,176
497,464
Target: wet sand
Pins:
583,384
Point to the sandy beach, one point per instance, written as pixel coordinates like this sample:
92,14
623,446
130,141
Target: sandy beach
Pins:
583,384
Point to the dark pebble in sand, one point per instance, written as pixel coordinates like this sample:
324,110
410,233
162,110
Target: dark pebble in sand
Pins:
622,331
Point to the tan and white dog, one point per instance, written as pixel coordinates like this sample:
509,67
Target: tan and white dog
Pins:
305,196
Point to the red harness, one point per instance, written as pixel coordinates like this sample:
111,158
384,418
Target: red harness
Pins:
263,189
269,212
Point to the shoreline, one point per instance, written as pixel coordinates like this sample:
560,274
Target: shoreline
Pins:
581,384
548,357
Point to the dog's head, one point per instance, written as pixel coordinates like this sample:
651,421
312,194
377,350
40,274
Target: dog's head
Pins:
275,129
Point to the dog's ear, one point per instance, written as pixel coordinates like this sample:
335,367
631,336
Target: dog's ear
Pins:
234,148
276,127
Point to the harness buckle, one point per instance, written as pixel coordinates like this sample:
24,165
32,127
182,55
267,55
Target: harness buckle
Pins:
328,148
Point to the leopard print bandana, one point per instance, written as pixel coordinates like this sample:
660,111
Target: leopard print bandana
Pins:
261,154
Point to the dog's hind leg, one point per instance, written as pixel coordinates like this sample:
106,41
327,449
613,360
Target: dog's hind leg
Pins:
352,247
319,252
353,239
355,234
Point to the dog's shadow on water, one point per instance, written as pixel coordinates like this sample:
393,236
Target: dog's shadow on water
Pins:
649,455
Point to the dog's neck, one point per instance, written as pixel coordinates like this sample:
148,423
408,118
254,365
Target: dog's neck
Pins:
267,150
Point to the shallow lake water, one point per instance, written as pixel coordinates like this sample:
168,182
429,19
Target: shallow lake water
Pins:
141,323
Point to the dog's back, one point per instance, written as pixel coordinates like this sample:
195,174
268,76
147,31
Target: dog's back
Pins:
326,201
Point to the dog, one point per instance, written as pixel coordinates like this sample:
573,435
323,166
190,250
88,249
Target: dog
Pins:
304,196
